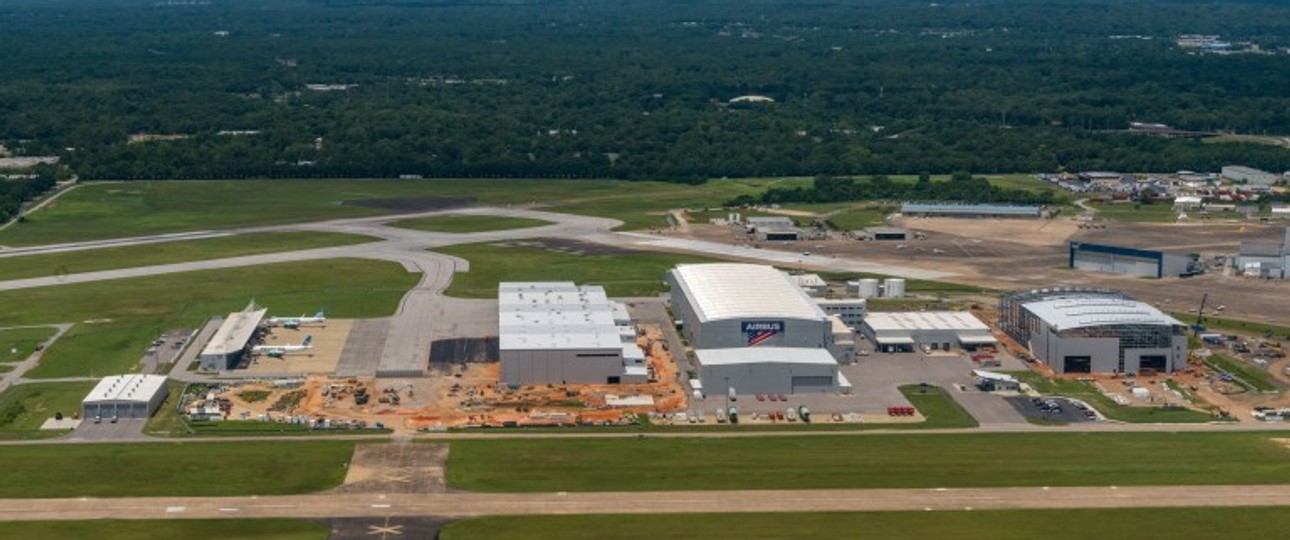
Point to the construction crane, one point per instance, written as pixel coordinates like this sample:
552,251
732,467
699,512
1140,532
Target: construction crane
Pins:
1200,316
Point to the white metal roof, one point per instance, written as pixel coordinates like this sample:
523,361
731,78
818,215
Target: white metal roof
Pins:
1068,313
722,291
234,333
924,320
764,355
555,316
128,388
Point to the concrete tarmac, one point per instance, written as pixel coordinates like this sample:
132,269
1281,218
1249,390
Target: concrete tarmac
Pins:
337,505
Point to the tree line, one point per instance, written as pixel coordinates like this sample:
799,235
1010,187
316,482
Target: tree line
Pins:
634,90
961,187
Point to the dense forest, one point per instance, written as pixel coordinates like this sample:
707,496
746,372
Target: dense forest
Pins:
634,89
961,187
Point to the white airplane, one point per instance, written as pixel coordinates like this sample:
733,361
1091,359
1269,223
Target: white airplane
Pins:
278,351
295,322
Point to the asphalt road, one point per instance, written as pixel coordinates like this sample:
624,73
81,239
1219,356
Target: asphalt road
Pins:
333,505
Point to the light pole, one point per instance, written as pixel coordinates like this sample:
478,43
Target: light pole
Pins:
727,392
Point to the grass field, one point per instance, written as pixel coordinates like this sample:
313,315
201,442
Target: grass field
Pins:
1150,213
938,406
225,529
1087,524
881,461
858,218
468,223
57,264
205,469
16,344
121,209
129,313
1257,379
24,407
1104,405
621,273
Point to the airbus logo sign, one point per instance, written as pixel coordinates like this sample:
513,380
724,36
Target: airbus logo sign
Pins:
759,332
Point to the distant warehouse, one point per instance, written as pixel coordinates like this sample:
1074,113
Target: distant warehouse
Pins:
971,210
1077,330
1126,260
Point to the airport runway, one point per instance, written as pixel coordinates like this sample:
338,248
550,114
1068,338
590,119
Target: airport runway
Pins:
334,505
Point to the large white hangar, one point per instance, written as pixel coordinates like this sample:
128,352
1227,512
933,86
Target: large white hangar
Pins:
125,396
560,333
230,341
770,370
935,330
727,305
1094,331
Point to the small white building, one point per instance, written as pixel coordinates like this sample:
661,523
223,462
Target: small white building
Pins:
905,331
850,310
811,284
125,396
226,347
770,370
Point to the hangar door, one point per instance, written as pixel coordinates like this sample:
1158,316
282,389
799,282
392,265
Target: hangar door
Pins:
812,384
1117,264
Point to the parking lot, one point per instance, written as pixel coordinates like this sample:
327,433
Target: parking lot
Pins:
122,430
1052,409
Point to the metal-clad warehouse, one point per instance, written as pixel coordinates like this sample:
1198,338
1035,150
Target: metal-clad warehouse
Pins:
727,305
1125,260
904,331
770,370
1094,331
561,333
125,396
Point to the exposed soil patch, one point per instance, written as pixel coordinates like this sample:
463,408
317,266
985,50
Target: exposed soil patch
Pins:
396,468
413,204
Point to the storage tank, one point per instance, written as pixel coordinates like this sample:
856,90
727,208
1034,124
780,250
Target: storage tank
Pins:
805,413
893,288
867,288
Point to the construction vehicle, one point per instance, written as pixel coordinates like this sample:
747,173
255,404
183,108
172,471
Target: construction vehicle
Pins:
1200,316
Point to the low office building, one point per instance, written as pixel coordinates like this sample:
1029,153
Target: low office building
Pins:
125,396
907,331
1077,330
560,333
769,370
811,284
850,310
725,305
1127,260
232,339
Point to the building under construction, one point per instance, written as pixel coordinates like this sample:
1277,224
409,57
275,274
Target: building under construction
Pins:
1081,330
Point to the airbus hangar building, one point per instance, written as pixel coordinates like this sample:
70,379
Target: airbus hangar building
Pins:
755,330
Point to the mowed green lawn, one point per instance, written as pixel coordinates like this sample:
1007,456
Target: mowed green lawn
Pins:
468,223
872,461
121,209
192,469
225,529
117,319
1158,213
622,273
16,344
24,407
1068,524
75,262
